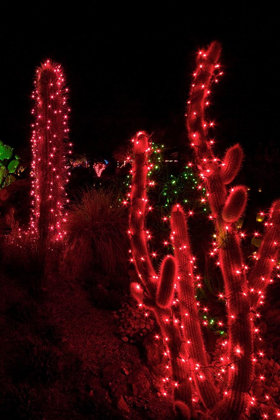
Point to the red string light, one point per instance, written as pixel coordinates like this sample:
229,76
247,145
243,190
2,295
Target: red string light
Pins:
49,148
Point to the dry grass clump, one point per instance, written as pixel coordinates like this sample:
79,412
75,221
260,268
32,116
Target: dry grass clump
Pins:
97,234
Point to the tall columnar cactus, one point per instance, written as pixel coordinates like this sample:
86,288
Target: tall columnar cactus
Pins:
49,148
226,208
243,292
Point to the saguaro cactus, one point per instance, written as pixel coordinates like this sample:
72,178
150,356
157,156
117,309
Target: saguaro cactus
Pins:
243,292
49,148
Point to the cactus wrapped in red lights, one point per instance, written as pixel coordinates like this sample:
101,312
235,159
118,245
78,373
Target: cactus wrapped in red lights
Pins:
156,291
227,207
49,148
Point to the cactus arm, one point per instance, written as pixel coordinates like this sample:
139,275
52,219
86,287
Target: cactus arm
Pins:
197,126
188,306
139,246
231,163
235,204
165,290
137,292
239,320
267,257
206,65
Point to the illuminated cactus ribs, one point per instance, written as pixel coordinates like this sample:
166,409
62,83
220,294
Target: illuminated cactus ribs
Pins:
49,148
191,369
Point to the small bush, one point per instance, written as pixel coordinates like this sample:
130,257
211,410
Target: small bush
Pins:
97,235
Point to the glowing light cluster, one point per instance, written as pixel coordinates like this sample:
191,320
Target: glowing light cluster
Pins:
99,167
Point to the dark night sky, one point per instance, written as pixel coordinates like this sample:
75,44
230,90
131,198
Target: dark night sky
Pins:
130,69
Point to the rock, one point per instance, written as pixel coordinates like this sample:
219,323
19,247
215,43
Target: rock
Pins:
122,405
154,351
139,382
258,391
120,390
125,339
94,383
110,374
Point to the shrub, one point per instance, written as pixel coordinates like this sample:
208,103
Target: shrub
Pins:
97,235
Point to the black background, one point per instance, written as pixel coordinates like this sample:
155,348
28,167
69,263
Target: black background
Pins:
129,68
